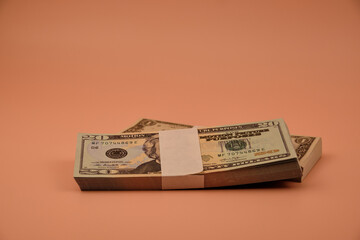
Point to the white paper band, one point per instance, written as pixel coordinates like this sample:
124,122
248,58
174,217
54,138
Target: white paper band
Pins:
180,157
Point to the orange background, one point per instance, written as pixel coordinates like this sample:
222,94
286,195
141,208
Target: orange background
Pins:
98,66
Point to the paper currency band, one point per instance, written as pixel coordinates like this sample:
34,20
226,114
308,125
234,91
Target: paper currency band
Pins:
180,159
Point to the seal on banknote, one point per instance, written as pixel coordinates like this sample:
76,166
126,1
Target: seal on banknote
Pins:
116,153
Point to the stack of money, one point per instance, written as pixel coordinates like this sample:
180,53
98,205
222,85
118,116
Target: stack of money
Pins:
140,157
308,149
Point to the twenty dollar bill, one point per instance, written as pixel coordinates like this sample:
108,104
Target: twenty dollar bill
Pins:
308,149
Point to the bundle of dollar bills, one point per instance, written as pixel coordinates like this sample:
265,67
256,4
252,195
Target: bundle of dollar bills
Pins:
154,154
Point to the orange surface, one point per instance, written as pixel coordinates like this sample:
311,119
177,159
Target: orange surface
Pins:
97,66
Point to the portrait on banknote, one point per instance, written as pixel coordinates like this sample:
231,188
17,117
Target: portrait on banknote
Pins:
152,150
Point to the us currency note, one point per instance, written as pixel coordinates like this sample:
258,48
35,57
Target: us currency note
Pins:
308,149
223,148
150,125
301,144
